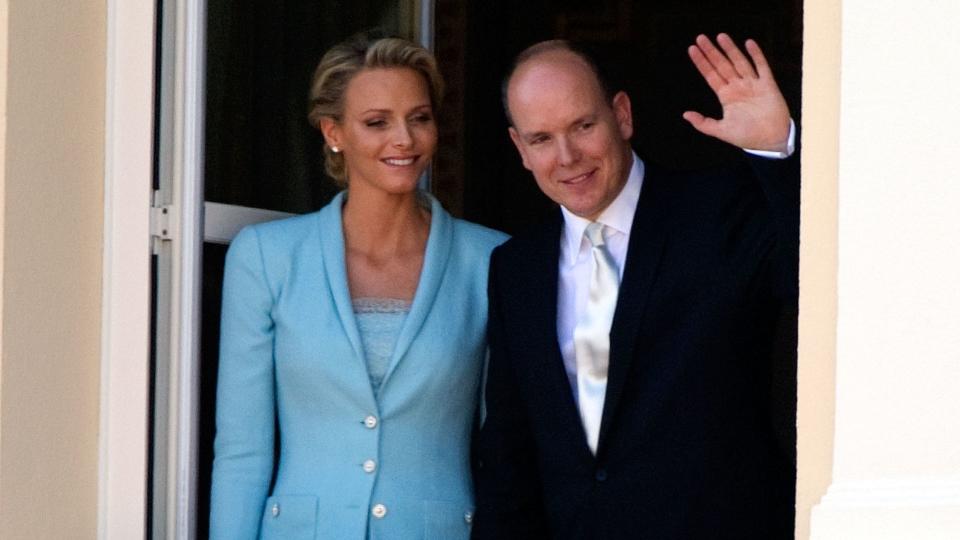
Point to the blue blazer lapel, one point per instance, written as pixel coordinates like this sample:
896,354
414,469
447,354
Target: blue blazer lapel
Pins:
335,270
647,237
434,267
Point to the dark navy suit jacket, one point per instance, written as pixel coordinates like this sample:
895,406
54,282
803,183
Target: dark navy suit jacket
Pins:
697,436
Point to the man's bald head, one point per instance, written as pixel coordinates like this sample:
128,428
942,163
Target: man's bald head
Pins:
554,47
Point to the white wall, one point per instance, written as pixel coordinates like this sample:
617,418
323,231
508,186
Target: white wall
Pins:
897,444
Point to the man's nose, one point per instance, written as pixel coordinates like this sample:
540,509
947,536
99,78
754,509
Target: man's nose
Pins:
568,153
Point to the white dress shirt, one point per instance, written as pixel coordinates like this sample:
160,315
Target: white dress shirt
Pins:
576,260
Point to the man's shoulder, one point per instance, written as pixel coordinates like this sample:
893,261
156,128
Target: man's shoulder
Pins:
703,195
540,238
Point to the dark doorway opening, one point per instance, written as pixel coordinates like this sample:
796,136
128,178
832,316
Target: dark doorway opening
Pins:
261,153
645,44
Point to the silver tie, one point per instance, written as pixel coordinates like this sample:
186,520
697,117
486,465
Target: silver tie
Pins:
591,336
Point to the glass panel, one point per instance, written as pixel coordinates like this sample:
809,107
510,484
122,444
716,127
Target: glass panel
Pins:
260,150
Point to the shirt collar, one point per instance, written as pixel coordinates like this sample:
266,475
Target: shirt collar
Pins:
618,215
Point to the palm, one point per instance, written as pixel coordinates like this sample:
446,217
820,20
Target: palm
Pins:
755,115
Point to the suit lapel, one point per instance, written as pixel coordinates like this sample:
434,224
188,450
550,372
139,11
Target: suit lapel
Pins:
435,259
541,310
647,237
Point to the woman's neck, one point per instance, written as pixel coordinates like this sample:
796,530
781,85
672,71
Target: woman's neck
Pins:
383,225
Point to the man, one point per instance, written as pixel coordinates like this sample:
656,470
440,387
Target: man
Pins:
632,337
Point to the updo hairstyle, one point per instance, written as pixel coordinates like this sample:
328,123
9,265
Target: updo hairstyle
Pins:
344,61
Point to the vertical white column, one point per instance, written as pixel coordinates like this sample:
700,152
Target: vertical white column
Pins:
125,347
897,443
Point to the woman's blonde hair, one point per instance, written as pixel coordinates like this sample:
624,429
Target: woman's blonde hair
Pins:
342,62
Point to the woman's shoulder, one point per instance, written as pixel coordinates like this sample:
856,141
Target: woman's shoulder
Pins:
478,235
288,233
274,236
284,230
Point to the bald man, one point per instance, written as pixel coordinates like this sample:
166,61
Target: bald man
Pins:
632,336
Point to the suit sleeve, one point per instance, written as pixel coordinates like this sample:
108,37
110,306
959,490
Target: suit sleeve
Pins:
780,180
244,443
509,502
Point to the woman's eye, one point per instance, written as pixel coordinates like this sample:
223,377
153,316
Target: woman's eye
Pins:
422,118
376,123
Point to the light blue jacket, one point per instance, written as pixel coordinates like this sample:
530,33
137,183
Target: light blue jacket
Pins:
292,363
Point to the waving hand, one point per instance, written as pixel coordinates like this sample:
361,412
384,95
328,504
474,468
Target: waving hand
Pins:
755,115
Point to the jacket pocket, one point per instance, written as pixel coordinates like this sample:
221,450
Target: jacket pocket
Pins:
444,520
289,517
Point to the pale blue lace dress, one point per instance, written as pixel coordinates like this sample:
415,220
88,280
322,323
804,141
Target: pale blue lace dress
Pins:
379,321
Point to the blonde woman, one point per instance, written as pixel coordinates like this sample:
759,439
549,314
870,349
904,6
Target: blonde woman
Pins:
353,338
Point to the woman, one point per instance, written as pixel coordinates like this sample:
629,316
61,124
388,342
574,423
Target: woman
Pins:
355,334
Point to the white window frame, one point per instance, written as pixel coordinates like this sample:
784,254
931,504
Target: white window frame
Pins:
125,333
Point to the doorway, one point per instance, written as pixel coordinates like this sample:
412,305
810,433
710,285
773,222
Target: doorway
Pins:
263,161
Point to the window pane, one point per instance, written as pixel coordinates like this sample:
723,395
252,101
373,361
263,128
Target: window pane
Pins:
260,150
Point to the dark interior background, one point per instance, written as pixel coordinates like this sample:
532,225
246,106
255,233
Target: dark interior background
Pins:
261,152
645,43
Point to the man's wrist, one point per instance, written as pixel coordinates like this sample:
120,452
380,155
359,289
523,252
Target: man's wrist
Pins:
789,148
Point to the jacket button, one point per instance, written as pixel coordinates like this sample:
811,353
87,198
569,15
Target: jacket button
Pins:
370,421
601,475
275,510
379,511
369,466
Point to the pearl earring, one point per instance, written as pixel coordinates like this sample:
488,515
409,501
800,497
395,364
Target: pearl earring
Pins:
335,149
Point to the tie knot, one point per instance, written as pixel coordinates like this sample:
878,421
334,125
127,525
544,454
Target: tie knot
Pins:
594,233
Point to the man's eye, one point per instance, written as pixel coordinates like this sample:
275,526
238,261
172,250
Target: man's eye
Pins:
376,123
586,125
538,140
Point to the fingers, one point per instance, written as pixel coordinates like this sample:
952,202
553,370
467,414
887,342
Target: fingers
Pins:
728,62
740,62
717,59
706,69
759,60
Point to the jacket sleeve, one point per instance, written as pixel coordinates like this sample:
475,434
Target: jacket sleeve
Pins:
244,443
509,502
780,181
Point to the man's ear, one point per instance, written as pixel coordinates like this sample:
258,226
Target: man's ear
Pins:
623,113
330,130
518,142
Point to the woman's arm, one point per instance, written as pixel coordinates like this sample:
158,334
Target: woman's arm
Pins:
244,444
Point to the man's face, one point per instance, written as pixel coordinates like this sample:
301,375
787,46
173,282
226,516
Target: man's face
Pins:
574,142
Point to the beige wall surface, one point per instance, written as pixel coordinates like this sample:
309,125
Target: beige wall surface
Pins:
817,338
3,148
51,290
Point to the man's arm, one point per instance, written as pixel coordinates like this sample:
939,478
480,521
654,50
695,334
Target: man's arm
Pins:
756,117
508,484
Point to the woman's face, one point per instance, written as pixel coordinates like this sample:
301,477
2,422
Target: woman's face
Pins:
387,133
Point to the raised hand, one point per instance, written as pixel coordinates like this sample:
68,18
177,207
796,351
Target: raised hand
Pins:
755,115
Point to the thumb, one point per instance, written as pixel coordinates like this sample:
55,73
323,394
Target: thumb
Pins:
707,126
